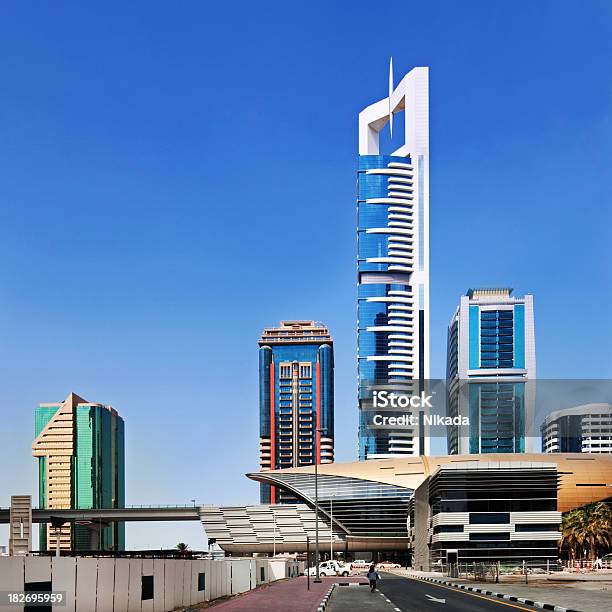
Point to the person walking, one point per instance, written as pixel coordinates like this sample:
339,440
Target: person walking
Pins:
373,576
598,563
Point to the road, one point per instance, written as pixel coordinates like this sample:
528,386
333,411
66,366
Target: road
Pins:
411,595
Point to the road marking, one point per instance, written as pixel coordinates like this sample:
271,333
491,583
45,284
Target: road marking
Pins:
432,598
499,601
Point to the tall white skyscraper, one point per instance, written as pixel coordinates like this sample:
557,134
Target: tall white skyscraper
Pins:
393,263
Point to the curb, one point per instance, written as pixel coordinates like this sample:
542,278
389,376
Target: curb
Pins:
529,602
325,600
323,603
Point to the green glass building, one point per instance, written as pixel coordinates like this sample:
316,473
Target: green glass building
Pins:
81,464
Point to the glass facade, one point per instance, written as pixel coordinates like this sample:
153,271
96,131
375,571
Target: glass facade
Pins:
488,372
390,314
296,396
360,507
496,339
97,482
96,470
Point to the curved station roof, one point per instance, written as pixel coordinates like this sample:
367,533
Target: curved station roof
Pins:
583,478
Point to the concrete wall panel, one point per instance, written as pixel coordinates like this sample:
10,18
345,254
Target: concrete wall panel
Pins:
220,574
277,569
225,584
263,572
253,572
207,571
196,567
212,579
63,578
189,582
115,585
86,583
169,586
122,580
135,586
11,578
241,575
38,569
179,570
106,585
159,566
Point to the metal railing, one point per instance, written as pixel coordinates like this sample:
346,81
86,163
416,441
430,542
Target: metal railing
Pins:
493,571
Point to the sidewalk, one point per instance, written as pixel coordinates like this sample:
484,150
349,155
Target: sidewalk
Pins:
587,593
283,596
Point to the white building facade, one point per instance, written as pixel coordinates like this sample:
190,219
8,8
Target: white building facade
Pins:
581,429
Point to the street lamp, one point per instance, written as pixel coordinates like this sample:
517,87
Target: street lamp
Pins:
274,518
331,530
317,444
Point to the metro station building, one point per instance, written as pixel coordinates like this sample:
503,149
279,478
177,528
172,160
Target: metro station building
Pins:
425,506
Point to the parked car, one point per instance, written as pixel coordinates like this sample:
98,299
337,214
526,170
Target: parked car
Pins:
388,565
360,564
330,568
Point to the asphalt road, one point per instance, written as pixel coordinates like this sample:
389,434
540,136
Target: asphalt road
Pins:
411,595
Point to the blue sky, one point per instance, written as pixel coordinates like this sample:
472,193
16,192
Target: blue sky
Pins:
176,176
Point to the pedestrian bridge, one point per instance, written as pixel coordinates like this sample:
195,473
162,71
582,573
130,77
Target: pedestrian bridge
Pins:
131,513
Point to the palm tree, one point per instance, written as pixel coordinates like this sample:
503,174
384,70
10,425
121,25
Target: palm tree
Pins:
182,547
587,529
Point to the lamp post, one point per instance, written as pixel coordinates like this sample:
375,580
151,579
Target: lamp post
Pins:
317,444
331,530
274,519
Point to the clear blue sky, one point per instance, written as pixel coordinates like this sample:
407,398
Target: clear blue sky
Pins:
176,176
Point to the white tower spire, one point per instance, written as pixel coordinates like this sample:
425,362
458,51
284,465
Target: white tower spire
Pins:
390,95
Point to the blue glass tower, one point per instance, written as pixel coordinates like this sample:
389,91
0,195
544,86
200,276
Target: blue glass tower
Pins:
296,399
490,363
393,265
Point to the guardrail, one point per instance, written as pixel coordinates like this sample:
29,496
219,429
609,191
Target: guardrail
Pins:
491,572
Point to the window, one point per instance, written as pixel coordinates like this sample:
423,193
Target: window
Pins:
201,581
488,518
448,529
305,370
489,536
262,574
496,339
147,587
536,527
285,370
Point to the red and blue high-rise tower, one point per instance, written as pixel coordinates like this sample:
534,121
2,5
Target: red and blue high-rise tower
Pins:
296,399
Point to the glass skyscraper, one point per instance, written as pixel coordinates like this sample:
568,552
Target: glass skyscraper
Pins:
81,464
491,369
296,399
393,264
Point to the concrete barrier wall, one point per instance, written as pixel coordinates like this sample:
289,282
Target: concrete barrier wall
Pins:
111,585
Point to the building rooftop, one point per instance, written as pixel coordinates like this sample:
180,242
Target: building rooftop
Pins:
296,331
488,292
73,400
